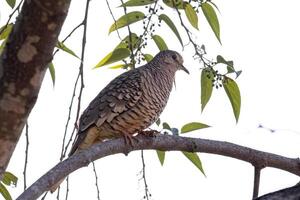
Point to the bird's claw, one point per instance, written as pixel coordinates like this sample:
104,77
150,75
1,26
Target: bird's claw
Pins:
149,133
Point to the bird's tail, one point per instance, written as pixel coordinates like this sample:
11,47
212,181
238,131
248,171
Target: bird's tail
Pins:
54,187
83,140
73,150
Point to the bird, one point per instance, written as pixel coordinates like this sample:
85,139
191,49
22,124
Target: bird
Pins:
130,103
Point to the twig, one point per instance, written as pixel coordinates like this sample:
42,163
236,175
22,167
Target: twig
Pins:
70,139
80,76
82,58
115,21
256,182
64,148
96,181
69,35
67,192
138,42
26,154
144,177
10,16
129,38
163,143
188,33
43,197
72,98
58,193
74,29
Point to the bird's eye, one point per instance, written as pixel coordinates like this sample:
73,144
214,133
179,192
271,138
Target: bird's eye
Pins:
174,57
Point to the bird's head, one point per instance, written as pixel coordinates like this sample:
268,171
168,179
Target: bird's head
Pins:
171,59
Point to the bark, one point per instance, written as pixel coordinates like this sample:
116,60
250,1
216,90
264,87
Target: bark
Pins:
22,67
291,193
164,143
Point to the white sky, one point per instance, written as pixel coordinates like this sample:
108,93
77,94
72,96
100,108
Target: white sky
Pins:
262,37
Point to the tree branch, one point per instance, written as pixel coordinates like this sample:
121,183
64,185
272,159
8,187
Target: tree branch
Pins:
256,181
23,64
163,143
147,193
80,75
291,193
96,181
26,155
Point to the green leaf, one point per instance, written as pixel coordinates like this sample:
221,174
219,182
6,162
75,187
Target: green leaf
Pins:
172,26
166,126
9,179
206,87
148,57
4,192
193,126
135,42
2,45
122,66
191,15
11,3
212,18
158,122
194,158
63,47
161,156
52,72
114,56
230,66
233,93
160,43
137,3
171,3
230,63
5,31
220,59
126,20
230,69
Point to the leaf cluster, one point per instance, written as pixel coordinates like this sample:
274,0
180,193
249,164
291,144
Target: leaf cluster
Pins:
8,180
211,79
156,12
134,44
189,127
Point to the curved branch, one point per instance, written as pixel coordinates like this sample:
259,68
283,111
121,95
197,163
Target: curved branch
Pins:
164,143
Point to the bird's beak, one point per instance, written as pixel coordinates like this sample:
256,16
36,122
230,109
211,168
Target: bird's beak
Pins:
184,69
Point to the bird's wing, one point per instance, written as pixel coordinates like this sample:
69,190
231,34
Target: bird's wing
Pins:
120,95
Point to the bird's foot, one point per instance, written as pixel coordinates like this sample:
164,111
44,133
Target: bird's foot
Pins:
128,139
129,142
149,133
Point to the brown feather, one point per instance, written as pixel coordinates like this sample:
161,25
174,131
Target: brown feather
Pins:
129,103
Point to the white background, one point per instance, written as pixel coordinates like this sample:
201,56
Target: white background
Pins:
262,37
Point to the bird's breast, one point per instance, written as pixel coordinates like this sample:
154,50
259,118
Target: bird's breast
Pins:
156,89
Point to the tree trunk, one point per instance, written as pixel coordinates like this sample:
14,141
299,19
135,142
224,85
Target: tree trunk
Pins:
23,64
